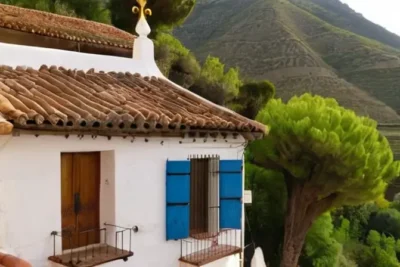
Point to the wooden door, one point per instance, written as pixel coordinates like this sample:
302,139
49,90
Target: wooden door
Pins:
80,203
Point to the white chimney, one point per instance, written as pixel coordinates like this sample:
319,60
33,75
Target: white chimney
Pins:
143,48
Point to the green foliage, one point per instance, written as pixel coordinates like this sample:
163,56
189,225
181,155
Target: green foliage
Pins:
321,143
374,239
210,81
252,97
266,212
172,43
329,157
215,84
89,9
386,221
383,250
360,253
175,61
166,13
213,70
396,203
342,234
358,216
231,83
345,262
321,248
375,250
43,5
168,51
209,90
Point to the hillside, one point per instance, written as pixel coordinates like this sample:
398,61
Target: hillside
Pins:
285,42
342,16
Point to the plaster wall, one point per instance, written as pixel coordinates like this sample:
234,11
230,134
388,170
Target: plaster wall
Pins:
35,57
132,191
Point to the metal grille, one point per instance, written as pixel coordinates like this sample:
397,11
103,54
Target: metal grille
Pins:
87,254
205,250
204,195
213,195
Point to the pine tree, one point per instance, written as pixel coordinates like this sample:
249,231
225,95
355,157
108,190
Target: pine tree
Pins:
328,156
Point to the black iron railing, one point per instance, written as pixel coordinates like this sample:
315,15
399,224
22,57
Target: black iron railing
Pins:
83,249
121,232
207,247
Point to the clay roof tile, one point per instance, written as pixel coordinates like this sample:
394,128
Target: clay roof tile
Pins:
63,27
60,99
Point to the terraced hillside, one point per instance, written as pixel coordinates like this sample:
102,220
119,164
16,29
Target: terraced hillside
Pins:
342,16
283,41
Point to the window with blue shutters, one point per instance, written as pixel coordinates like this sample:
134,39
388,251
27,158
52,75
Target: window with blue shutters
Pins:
177,198
231,190
204,195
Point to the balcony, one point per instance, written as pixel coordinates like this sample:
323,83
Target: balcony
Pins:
88,255
203,249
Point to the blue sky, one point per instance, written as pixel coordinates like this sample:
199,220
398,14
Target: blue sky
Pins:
383,12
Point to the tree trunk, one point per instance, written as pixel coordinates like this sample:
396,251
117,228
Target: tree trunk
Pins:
303,207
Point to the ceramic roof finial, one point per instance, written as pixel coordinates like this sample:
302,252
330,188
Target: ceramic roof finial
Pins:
142,27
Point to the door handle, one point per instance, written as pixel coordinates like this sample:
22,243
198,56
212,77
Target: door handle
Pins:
77,203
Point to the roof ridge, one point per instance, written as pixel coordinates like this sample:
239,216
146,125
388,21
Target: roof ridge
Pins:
63,27
54,14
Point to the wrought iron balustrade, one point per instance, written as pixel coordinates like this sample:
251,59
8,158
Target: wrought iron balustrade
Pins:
83,253
205,248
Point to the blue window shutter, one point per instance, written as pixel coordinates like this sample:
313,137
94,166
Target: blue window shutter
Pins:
231,191
177,199
230,214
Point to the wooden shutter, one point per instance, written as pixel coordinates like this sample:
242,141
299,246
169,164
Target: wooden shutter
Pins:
231,190
177,199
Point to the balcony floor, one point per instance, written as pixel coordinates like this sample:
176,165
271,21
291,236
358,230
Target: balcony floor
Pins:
91,257
211,254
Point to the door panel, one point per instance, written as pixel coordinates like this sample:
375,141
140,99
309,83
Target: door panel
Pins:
87,171
80,191
68,216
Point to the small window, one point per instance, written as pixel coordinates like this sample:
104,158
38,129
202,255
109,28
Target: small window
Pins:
204,196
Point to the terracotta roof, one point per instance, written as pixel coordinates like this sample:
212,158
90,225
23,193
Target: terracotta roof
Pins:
122,103
11,261
5,126
52,25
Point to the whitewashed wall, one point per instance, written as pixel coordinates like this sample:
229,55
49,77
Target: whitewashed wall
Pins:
133,181
35,57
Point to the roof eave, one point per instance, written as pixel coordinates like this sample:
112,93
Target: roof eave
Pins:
206,134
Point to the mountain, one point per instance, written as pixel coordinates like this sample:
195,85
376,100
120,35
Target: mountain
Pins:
318,46
342,16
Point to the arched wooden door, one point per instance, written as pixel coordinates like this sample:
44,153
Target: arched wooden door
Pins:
80,198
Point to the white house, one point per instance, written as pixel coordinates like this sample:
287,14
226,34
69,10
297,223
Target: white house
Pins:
104,161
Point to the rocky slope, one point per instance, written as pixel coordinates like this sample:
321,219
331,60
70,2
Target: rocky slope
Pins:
303,46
